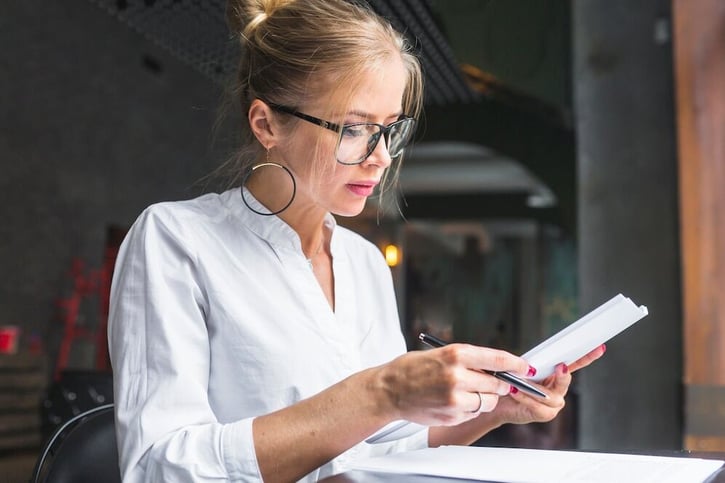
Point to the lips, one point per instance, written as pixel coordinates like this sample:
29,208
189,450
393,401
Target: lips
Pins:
363,188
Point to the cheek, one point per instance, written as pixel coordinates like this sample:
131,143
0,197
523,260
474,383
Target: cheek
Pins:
332,177
324,170
312,157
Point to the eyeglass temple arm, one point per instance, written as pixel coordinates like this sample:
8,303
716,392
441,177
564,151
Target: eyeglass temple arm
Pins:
314,120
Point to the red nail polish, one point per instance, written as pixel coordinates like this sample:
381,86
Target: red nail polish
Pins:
564,368
514,390
532,371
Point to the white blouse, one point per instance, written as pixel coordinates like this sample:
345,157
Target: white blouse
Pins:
216,317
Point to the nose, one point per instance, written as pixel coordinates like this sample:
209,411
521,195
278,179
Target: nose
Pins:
380,155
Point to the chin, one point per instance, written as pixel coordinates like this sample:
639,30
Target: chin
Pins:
349,210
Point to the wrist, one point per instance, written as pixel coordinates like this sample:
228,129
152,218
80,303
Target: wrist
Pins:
491,421
380,388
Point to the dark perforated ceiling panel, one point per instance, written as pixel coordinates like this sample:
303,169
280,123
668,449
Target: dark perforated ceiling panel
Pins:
195,31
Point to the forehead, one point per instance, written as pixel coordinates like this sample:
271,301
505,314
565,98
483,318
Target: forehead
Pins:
376,90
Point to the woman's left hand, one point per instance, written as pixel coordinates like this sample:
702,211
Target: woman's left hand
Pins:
520,408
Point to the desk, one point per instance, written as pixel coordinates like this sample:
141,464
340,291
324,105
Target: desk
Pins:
370,477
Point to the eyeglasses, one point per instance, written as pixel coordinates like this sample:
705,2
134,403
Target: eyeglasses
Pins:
357,141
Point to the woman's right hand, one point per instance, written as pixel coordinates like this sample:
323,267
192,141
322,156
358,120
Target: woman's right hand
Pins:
442,386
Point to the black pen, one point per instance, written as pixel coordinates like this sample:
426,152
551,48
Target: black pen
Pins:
504,376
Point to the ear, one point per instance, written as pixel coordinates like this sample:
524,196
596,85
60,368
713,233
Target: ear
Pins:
262,123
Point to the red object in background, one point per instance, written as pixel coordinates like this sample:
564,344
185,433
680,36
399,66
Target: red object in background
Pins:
9,335
89,283
84,285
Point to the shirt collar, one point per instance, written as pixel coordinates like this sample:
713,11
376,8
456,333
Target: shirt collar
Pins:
270,228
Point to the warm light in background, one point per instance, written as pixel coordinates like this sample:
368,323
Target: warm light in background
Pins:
392,255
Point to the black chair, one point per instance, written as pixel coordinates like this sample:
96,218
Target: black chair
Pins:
82,450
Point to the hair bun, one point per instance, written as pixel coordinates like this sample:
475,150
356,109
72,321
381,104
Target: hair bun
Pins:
244,16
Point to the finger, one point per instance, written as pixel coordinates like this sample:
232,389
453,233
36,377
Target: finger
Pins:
487,383
560,385
488,403
562,379
556,387
588,358
479,405
484,358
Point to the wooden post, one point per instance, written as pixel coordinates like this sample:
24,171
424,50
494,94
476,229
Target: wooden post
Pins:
699,47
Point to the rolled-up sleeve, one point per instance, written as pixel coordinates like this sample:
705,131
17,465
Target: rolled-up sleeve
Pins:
159,346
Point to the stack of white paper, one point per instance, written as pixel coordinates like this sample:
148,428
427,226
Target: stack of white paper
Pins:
584,335
512,465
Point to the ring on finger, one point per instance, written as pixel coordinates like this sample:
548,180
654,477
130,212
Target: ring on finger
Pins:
480,403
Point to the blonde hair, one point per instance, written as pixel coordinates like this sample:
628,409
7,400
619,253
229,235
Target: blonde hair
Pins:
289,46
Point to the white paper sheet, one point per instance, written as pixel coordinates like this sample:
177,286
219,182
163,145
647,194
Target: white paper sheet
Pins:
394,431
513,465
584,335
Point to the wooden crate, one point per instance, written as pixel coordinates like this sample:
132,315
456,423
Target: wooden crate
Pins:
23,379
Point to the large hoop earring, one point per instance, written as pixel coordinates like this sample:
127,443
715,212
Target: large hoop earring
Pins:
262,165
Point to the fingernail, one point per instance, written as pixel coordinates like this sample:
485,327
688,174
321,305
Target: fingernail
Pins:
604,348
514,390
532,371
564,368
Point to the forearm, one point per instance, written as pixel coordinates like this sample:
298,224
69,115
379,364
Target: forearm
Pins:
292,442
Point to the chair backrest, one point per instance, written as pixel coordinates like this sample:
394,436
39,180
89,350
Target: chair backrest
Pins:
81,450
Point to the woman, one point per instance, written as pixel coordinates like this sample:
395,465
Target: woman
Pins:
252,338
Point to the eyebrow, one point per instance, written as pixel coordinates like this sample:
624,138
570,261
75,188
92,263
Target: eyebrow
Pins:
367,115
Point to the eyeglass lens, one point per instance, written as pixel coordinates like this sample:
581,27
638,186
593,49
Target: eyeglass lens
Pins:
358,141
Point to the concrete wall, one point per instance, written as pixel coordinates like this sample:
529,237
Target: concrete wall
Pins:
89,136
627,217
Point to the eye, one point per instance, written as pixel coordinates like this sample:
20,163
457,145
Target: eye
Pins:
355,130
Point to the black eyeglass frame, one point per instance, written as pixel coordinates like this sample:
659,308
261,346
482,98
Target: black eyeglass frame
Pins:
384,130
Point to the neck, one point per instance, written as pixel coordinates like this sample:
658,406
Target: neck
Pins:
311,256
